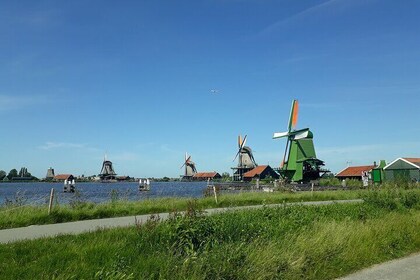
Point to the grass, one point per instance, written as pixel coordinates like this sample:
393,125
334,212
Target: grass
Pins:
80,210
300,242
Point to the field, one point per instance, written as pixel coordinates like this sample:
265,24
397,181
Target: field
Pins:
16,215
298,242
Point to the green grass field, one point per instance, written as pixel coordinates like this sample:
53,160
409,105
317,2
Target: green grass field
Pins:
298,242
79,210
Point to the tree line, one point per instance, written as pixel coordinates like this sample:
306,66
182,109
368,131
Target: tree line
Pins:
23,173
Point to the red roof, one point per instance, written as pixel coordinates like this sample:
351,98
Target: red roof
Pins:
256,171
355,171
415,161
62,176
205,174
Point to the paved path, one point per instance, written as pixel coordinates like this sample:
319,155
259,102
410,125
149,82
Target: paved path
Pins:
39,231
402,269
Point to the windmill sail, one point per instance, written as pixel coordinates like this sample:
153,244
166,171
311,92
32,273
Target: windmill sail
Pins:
293,115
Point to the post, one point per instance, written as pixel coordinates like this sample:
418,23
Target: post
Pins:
258,184
215,193
51,200
312,189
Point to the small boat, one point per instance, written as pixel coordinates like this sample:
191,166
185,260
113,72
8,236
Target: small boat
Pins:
144,185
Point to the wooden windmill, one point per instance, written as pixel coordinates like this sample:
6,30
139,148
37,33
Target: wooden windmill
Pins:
190,169
246,159
107,171
299,160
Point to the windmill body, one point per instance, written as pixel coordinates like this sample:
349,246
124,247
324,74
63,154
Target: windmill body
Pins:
246,161
299,162
107,171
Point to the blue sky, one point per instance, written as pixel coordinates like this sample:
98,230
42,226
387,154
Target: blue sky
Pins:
133,79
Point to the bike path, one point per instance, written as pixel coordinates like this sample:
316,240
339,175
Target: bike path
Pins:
407,268
51,230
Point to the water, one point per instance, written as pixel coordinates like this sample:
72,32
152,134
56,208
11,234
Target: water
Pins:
38,193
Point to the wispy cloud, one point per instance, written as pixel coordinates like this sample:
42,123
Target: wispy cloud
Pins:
61,145
125,156
33,18
10,102
331,6
349,149
320,105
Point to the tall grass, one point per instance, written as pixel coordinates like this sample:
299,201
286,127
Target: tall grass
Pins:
300,242
79,209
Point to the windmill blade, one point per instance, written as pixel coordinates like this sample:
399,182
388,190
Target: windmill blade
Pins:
244,142
280,134
285,153
251,155
187,159
239,141
293,115
301,135
237,155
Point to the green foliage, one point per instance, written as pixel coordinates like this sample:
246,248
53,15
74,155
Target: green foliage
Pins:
80,209
299,242
12,173
2,174
330,181
226,177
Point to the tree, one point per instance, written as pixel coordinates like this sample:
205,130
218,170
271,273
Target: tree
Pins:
12,173
2,174
225,176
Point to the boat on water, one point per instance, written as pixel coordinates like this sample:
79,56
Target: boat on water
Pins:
144,185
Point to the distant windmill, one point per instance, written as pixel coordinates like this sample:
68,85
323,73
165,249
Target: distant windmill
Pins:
246,159
190,169
107,171
299,160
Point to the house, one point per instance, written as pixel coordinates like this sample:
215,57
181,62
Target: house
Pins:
63,177
260,172
403,169
204,176
354,172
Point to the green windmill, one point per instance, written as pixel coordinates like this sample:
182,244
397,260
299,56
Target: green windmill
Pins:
299,161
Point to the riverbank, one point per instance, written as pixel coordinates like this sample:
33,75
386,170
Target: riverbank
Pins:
24,215
299,242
